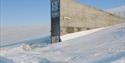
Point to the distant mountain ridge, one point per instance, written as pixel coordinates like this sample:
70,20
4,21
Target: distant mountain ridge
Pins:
119,11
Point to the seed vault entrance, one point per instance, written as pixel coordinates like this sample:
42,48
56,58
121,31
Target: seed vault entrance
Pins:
69,16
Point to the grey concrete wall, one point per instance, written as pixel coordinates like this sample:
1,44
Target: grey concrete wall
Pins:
78,17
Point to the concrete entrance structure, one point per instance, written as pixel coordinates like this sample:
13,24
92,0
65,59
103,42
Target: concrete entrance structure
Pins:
76,17
69,16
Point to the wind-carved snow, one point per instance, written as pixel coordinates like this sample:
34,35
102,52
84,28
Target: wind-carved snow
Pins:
105,45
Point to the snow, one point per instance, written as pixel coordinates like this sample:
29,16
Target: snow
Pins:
122,60
78,34
34,42
119,11
103,45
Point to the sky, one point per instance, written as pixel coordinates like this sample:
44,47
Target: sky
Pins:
103,4
33,12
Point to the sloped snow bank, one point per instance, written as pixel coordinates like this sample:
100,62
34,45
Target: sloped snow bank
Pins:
103,46
119,11
79,34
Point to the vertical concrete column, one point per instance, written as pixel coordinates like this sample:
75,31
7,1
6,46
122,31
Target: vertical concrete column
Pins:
55,21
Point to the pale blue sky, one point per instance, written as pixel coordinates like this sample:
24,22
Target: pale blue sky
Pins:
103,4
32,12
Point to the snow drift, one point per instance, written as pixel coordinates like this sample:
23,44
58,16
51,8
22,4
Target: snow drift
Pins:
106,45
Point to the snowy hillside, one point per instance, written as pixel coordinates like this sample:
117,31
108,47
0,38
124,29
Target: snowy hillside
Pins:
120,11
104,45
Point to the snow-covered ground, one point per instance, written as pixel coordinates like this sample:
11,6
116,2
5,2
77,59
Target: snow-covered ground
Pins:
103,45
